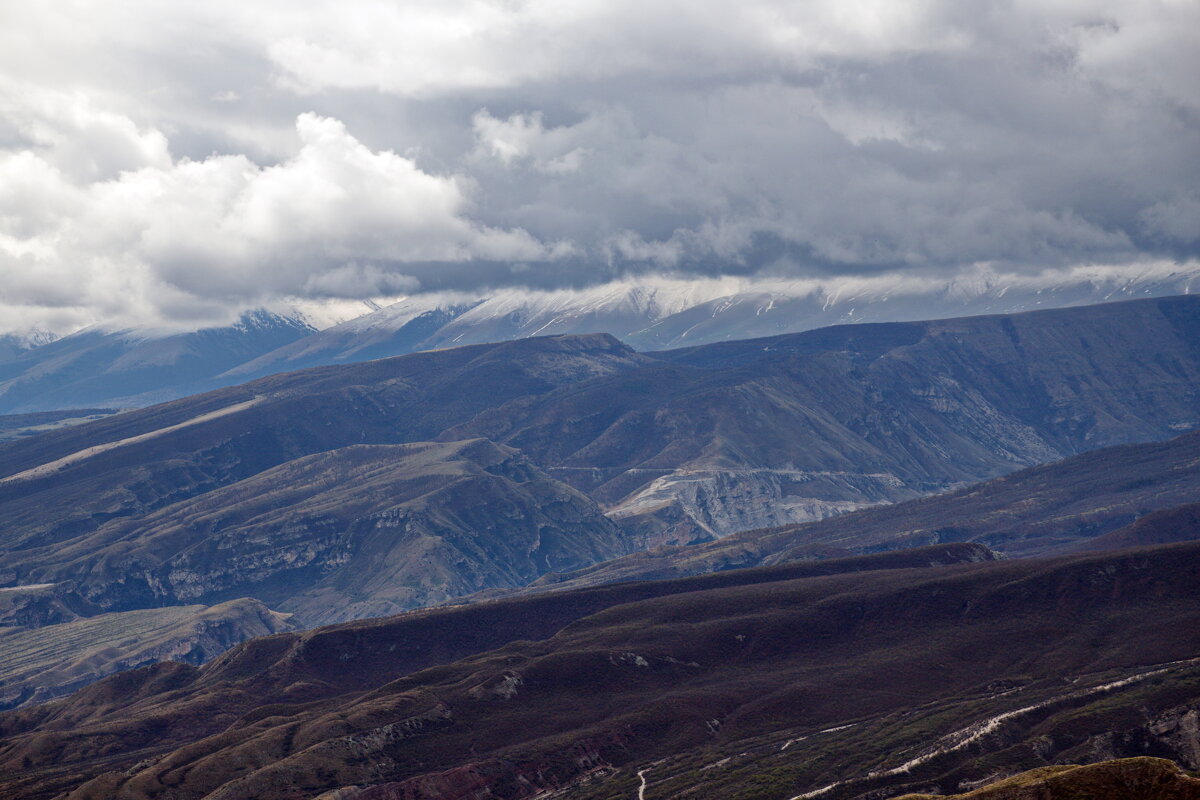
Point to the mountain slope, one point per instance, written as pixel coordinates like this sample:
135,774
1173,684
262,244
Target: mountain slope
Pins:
788,686
773,308
1166,526
396,330
689,445
659,314
66,483
802,426
648,314
355,532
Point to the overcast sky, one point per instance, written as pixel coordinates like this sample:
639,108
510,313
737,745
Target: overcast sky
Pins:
182,161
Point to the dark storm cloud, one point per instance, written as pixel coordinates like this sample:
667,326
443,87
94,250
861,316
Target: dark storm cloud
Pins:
219,156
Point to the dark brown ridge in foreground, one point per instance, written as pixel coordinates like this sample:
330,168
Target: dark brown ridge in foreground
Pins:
712,665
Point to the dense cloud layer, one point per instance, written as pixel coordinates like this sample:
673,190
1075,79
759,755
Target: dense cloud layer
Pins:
179,162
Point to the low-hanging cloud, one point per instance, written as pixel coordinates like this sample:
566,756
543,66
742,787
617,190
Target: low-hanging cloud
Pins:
182,162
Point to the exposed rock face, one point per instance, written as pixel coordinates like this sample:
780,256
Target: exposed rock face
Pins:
1173,733
356,532
1127,496
696,505
39,665
38,604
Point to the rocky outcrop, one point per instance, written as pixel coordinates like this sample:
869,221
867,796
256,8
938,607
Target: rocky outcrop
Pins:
697,505
1095,501
1172,733
38,604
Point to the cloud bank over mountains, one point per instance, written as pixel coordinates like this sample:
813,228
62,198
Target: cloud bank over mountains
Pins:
166,164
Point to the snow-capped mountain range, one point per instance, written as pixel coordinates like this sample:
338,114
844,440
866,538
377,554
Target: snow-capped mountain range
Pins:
98,368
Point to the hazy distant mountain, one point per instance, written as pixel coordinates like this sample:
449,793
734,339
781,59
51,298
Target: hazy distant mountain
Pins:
427,323
15,345
96,368
658,314
135,368
396,330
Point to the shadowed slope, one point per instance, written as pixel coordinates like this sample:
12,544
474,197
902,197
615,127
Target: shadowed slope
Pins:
166,706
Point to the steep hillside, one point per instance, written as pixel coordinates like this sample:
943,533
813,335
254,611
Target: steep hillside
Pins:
759,684
355,532
39,665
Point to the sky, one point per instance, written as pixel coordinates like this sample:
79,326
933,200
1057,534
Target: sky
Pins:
163,162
